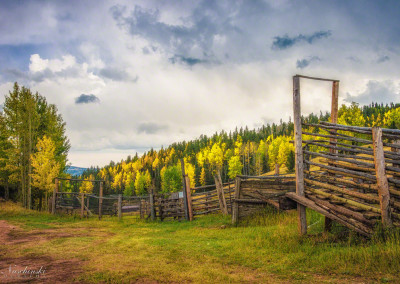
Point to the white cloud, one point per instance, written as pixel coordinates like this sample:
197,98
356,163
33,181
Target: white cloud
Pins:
236,78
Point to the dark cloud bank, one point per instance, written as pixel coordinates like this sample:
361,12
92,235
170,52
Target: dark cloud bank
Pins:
86,99
283,42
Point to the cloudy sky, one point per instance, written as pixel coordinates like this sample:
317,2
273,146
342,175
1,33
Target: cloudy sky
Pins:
130,75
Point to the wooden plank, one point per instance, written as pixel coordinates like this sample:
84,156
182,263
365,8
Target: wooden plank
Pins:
101,200
74,179
185,201
53,204
119,207
369,198
299,165
189,198
235,206
350,128
220,192
381,178
311,204
316,78
152,207
82,205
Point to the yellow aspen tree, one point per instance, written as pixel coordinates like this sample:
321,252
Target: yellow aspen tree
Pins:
87,185
202,177
45,166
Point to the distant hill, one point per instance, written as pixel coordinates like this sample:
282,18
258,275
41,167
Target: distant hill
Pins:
75,171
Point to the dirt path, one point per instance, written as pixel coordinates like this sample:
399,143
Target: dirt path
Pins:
33,269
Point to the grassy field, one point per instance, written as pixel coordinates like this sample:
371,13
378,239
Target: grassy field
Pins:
266,248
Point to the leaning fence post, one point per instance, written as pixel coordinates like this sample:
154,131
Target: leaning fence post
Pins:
381,178
299,164
82,205
119,207
53,202
100,200
235,206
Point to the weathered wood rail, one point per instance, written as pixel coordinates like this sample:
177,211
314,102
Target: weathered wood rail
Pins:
347,173
254,193
89,204
358,183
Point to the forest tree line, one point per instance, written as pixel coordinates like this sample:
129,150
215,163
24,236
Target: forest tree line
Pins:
34,148
243,151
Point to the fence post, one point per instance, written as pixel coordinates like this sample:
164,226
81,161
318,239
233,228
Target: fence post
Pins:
152,208
87,205
235,206
396,150
100,200
53,202
334,118
119,207
381,178
82,205
185,202
189,198
221,194
160,209
299,163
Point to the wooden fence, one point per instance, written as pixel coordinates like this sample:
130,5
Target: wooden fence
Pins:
352,175
89,204
254,193
204,199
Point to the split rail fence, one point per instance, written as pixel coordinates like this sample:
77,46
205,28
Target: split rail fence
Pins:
349,174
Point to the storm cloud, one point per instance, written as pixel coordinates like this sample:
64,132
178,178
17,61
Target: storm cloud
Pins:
169,71
303,63
86,99
283,42
377,91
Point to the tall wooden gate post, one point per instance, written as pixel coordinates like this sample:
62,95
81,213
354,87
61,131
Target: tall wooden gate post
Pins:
235,206
119,207
334,119
185,201
299,163
100,200
189,198
53,201
381,178
82,205
151,197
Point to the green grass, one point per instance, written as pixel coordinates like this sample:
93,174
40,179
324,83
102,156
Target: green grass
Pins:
264,248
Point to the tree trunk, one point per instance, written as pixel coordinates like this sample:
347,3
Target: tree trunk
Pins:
277,169
7,193
29,164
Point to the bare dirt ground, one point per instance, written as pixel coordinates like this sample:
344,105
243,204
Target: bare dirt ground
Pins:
30,268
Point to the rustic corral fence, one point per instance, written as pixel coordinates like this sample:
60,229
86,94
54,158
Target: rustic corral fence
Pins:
357,178
254,193
89,204
205,199
180,205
